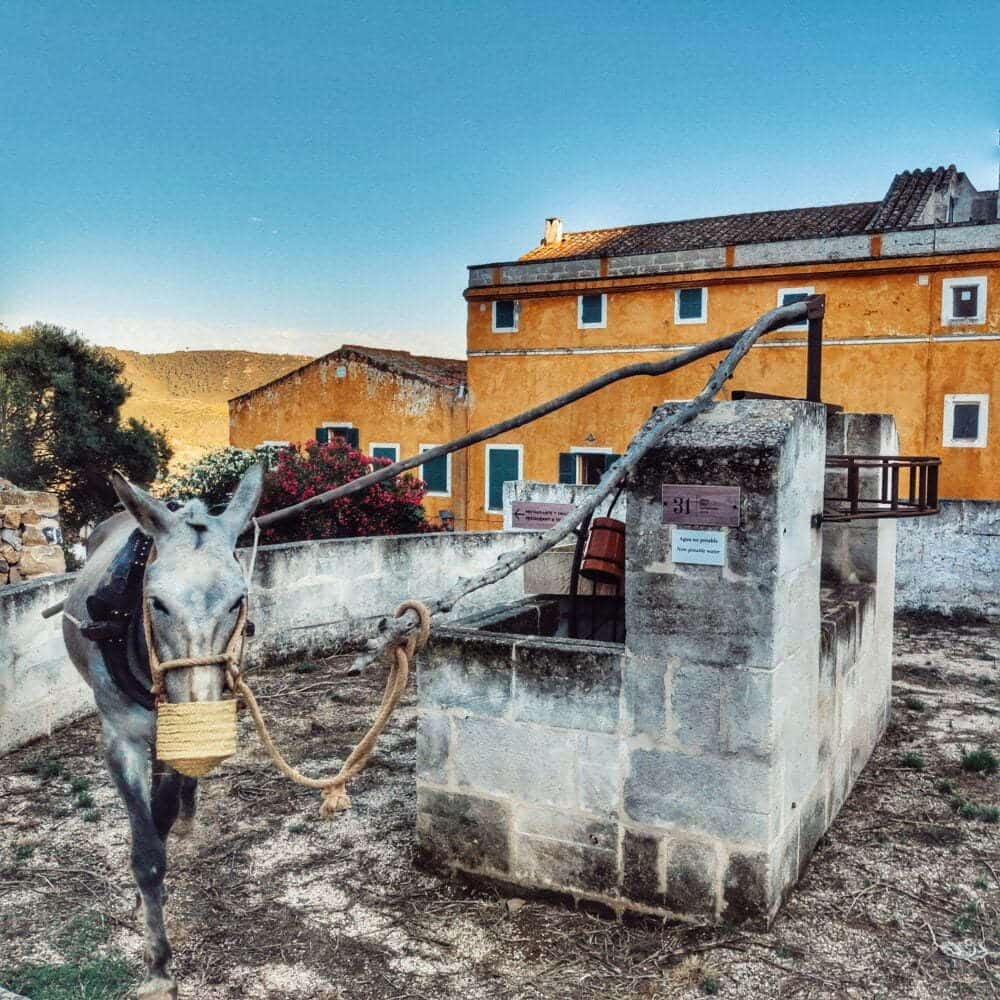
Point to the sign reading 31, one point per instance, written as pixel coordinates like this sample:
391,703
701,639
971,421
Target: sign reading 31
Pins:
715,505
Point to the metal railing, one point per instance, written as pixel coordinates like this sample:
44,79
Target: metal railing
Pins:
872,487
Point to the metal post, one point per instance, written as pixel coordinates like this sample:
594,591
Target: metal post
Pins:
814,360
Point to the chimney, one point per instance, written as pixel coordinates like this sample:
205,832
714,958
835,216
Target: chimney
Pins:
553,232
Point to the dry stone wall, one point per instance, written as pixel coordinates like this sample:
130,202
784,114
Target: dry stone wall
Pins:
30,536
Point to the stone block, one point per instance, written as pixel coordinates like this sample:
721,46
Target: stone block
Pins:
472,673
813,823
12,518
642,878
37,560
466,830
598,773
746,885
567,866
433,742
728,797
526,762
644,682
33,535
572,828
44,504
749,711
691,877
11,537
695,706
567,685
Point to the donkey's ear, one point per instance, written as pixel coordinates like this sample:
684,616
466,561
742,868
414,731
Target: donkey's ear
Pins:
152,515
245,499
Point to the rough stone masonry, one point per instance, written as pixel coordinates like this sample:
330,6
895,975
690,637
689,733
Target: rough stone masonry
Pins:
30,537
690,771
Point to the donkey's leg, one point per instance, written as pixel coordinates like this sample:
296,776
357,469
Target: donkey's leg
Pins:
173,800
128,762
128,737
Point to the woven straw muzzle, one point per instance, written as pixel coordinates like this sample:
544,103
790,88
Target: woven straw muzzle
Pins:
194,736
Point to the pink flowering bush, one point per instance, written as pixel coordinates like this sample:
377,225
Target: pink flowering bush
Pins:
392,507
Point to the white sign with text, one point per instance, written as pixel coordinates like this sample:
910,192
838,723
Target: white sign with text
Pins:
704,548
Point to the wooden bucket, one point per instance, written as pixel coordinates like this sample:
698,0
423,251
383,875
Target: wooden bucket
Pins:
194,736
604,558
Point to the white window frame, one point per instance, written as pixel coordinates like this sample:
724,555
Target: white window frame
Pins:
677,306
447,493
580,325
517,316
946,302
506,446
587,451
947,433
384,444
782,292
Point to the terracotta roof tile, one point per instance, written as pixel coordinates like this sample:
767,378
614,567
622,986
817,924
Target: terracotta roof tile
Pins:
719,230
448,372
902,206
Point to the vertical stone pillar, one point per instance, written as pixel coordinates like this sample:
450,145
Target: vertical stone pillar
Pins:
722,785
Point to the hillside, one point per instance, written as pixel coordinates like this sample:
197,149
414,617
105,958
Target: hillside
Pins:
185,392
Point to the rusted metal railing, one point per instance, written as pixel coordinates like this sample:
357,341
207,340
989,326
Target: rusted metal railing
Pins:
872,487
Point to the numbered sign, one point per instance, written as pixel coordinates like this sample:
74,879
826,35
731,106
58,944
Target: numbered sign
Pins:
703,505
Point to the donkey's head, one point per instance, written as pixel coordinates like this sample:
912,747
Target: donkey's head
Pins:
195,587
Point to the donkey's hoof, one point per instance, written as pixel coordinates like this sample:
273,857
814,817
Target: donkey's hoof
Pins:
157,989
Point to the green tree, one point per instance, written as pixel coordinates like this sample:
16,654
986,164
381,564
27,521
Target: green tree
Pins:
60,422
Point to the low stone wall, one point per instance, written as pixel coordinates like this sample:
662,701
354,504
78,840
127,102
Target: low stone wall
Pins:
305,592
39,688
950,562
302,596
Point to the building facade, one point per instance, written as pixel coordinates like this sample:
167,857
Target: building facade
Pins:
388,404
912,328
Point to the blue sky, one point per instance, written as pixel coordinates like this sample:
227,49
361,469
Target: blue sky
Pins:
288,176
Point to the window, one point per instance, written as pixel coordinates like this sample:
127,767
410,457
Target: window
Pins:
436,473
505,314
786,296
591,311
963,300
585,466
966,420
379,450
503,464
691,305
326,432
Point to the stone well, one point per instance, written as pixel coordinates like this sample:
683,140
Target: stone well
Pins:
686,759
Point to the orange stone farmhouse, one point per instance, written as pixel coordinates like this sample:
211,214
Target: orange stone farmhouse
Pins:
912,328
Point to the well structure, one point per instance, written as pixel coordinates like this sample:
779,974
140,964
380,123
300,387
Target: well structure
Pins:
684,758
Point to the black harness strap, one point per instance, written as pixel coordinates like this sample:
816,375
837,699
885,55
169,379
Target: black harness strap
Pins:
114,610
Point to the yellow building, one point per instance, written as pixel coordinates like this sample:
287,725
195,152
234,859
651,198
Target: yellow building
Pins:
388,404
912,327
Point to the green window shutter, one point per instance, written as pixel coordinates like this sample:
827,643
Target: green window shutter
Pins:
502,466
435,474
690,303
611,461
383,452
352,435
323,435
567,467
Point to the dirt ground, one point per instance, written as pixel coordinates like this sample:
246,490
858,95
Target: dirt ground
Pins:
901,900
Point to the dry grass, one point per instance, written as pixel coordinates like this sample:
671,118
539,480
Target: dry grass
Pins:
902,899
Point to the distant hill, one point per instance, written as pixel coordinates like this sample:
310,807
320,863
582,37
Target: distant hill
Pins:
185,392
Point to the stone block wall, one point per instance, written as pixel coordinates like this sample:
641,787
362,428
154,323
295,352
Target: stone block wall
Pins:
691,771
30,537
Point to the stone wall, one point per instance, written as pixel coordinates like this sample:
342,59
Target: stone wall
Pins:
691,771
951,563
30,537
302,596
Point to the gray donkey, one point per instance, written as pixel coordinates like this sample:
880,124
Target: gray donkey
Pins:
195,589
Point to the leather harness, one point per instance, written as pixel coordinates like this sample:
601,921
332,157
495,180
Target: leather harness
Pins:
116,620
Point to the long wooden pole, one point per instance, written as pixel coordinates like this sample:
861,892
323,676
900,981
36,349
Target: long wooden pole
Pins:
651,434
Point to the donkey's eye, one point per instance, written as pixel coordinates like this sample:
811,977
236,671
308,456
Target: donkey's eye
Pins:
160,606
